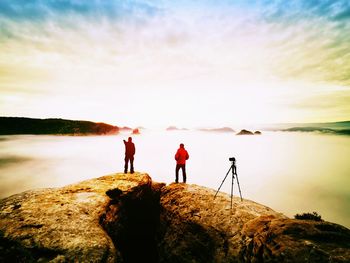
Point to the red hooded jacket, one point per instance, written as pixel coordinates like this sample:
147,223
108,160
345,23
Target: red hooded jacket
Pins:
181,156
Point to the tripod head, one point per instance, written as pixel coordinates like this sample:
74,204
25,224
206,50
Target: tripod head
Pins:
233,165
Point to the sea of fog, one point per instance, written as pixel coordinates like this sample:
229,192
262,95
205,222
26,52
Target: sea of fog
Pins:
289,172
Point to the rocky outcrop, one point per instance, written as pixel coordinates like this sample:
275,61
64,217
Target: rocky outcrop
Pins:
61,224
198,228
245,132
136,131
129,218
273,239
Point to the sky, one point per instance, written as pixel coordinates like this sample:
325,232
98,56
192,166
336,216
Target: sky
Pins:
185,63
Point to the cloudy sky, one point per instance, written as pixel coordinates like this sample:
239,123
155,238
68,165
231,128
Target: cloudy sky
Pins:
185,63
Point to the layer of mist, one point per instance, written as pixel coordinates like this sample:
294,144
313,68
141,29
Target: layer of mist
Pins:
290,172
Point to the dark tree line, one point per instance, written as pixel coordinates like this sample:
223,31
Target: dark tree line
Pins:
19,125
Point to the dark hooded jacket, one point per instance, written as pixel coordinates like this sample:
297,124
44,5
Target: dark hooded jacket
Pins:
129,149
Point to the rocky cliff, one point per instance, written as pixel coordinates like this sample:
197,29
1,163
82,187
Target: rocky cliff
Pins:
129,218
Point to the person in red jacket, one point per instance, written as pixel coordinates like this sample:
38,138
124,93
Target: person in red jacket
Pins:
129,155
181,156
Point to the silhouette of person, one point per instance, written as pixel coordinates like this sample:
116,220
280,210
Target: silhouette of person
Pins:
129,155
181,156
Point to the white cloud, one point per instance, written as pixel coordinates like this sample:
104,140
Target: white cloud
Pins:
204,57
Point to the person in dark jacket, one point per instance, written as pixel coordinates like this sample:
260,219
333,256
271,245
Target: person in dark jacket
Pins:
129,155
181,156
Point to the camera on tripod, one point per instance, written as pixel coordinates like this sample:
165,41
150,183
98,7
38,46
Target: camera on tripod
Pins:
234,175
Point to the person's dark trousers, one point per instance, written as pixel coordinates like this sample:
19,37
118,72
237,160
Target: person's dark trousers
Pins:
127,159
183,168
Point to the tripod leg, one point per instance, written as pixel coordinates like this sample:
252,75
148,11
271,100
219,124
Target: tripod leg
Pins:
239,188
223,181
232,188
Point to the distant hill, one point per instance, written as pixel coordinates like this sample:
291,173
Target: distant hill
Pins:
246,132
223,129
125,129
341,125
319,129
19,125
174,128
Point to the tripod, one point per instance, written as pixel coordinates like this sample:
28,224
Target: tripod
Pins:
234,173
